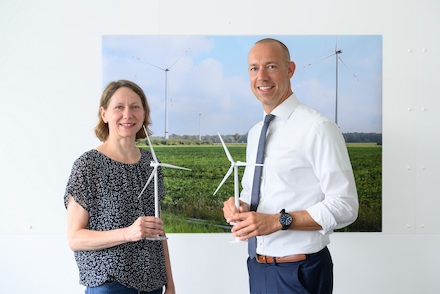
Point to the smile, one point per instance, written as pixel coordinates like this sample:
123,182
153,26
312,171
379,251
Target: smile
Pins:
265,88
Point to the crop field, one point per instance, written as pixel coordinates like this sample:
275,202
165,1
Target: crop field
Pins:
189,205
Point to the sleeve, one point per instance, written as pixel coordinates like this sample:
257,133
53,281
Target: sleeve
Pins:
78,184
331,163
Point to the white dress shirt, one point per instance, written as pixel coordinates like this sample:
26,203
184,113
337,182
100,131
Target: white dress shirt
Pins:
306,167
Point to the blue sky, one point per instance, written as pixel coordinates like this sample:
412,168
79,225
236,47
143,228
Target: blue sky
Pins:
208,84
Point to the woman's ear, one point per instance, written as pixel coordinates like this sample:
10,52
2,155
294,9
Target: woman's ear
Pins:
102,112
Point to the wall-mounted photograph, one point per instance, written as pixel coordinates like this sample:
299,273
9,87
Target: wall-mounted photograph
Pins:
200,97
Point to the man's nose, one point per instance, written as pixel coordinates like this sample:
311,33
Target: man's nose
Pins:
262,74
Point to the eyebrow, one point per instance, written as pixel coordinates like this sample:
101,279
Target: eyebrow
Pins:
269,62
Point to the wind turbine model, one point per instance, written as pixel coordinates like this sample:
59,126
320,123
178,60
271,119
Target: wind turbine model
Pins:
155,163
166,70
234,167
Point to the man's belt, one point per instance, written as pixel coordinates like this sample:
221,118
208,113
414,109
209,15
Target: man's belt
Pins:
275,260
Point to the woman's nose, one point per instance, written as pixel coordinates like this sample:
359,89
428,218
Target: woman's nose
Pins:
127,112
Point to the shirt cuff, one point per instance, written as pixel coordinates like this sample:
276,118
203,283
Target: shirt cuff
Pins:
321,215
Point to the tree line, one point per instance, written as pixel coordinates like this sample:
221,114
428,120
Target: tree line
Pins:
242,139
363,138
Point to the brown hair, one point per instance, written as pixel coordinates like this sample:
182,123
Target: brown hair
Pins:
101,129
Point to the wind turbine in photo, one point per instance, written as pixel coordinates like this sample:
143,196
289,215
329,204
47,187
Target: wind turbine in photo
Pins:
165,70
233,168
155,164
336,53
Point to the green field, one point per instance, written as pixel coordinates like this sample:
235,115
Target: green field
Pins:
189,205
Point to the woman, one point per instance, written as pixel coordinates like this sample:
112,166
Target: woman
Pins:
107,222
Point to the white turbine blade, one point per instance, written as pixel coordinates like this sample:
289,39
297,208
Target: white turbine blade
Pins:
148,181
155,66
151,146
152,175
348,68
325,57
225,178
226,149
173,166
152,150
239,163
137,58
178,59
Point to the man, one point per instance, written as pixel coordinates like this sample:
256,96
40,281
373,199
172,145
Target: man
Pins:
307,186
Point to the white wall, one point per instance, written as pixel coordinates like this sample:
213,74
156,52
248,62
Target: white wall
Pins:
50,66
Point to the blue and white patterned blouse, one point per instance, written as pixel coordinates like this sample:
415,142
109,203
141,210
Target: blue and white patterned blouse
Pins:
109,191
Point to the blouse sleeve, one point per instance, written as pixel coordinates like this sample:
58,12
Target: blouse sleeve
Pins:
78,184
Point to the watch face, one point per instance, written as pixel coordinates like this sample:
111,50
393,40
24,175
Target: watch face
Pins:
286,219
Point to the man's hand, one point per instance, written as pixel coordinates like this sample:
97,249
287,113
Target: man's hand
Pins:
250,224
229,208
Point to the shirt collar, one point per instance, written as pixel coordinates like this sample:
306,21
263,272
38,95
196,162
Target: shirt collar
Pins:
285,109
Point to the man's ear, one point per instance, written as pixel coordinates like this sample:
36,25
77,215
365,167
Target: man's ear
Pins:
291,68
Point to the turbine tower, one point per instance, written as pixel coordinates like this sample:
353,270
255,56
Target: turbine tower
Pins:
337,52
338,58
234,169
154,176
165,70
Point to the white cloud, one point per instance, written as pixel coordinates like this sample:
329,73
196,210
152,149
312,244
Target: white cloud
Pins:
208,81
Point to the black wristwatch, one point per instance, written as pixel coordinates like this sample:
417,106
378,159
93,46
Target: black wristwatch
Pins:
285,220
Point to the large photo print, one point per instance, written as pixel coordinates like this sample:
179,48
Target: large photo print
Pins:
199,94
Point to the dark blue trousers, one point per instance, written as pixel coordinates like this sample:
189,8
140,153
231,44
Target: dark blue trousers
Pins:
117,288
311,276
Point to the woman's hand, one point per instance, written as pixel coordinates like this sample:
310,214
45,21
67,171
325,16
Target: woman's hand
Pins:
144,227
81,238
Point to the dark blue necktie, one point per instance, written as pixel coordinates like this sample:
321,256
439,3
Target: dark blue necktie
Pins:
252,242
